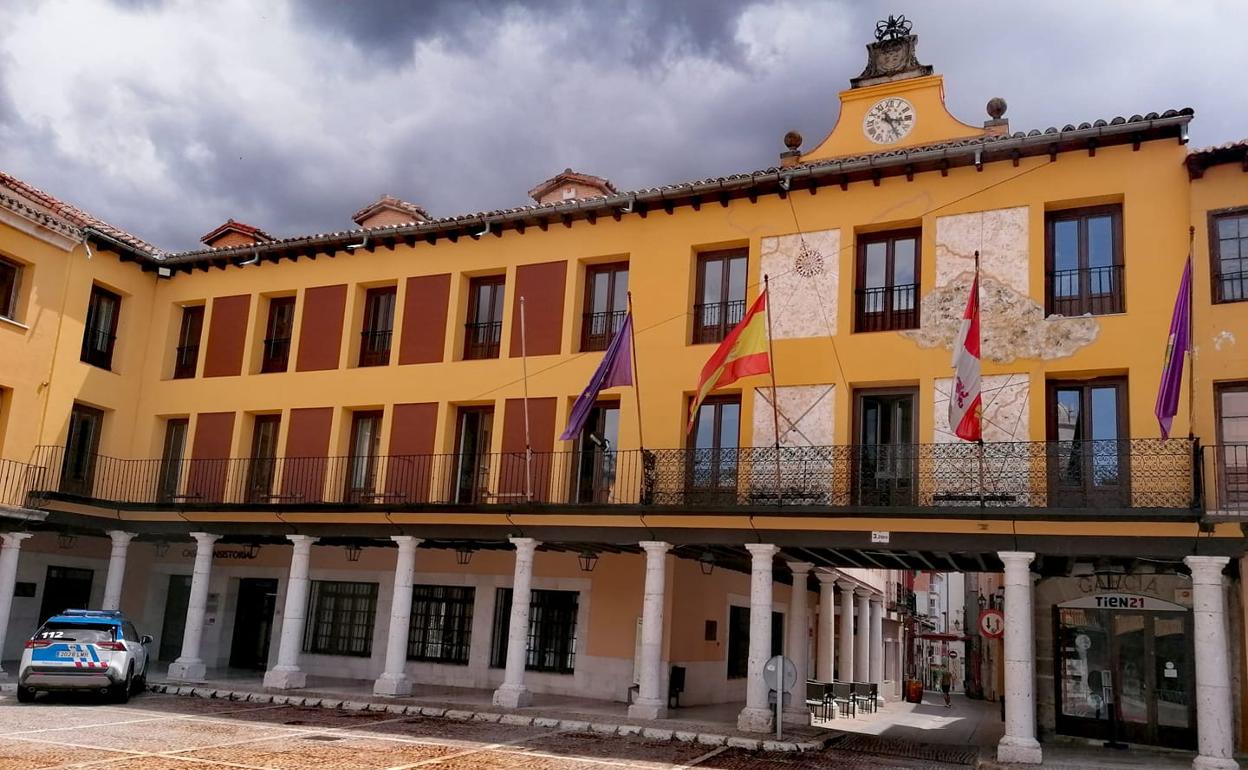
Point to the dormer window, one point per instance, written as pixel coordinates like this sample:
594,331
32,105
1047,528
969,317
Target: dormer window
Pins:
569,193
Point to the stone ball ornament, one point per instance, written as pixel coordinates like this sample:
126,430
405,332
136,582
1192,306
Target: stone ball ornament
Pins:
996,107
792,140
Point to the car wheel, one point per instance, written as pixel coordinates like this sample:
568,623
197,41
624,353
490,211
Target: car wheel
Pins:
25,695
121,692
140,682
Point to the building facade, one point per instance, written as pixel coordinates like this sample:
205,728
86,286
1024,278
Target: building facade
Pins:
339,453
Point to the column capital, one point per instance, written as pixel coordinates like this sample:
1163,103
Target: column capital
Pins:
846,585
406,542
1208,568
800,567
655,546
862,592
525,545
826,579
305,541
1016,558
205,539
762,550
120,536
877,599
14,539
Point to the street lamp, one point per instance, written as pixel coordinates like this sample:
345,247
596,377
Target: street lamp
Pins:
982,601
707,562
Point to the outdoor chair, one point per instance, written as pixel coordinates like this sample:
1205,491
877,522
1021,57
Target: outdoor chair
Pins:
863,695
843,697
818,698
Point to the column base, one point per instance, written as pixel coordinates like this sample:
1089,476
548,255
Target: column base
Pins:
754,720
393,685
187,670
644,708
285,678
1023,751
1202,762
512,696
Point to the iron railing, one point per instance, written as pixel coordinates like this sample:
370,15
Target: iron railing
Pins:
184,361
1226,466
375,347
713,320
886,308
1230,287
1070,476
97,347
276,355
20,483
481,340
1091,290
598,329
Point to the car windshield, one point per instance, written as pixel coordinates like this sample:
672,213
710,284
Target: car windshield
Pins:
75,632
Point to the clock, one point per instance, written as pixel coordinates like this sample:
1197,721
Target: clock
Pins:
889,120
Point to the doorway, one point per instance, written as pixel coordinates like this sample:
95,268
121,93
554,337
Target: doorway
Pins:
472,449
593,481
177,599
82,444
65,588
885,434
1089,460
253,623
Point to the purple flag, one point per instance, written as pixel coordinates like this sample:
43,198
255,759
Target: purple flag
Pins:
616,369
1178,343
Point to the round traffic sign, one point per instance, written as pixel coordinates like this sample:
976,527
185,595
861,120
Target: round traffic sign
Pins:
779,669
991,624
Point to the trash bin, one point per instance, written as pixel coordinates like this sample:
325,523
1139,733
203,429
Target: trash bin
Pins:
914,691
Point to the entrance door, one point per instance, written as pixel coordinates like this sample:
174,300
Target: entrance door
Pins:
884,458
712,462
177,599
81,446
1089,456
253,623
65,588
594,477
362,464
472,449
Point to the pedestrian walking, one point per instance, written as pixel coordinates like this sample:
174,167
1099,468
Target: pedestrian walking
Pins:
946,684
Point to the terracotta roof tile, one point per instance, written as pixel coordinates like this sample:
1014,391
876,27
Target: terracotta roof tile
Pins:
75,215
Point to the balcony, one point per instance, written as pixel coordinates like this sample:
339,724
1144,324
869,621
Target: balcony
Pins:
184,360
276,355
713,320
886,308
1227,466
1086,291
1040,479
598,329
481,340
375,347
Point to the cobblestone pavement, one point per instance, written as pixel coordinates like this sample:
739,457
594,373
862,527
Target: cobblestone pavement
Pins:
157,732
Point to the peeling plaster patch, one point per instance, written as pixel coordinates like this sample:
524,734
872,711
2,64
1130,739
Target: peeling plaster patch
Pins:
803,287
1223,339
1013,325
1000,236
806,416
1006,416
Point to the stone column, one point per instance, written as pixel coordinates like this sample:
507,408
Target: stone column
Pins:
651,700
846,669
189,667
826,652
757,716
876,668
797,639
512,693
287,675
10,547
862,651
1215,719
1019,743
116,569
394,680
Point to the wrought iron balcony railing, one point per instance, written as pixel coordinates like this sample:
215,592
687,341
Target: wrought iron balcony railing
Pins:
886,308
713,320
1104,476
598,329
1227,466
1084,291
375,347
481,340
185,358
276,355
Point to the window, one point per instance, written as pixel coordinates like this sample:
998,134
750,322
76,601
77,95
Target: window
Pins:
886,288
1228,245
441,624
186,356
1084,261
606,304
10,285
340,618
484,330
378,326
552,630
474,434
362,462
1089,452
719,298
711,468
263,461
277,333
82,444
171,458
739,640
101,331
885,452
1232,413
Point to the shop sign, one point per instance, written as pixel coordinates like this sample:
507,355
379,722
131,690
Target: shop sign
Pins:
991,624
1121,601
246,552
879,537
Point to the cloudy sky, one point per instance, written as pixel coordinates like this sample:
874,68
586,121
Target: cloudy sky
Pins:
166,118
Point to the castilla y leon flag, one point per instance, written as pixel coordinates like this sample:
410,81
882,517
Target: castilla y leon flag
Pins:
964,397
742,353
1178,343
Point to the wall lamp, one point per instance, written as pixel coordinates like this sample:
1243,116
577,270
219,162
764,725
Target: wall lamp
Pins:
353,552
588,560
463,555
65,540
707,562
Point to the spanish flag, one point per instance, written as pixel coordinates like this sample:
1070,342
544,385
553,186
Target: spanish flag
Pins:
742,353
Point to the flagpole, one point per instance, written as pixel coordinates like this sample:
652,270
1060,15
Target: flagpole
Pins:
979,448
1191,347
775,405
632,339
524,368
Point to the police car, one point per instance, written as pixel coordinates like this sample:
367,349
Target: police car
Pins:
86,650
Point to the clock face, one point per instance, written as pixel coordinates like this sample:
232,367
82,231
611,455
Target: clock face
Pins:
889,120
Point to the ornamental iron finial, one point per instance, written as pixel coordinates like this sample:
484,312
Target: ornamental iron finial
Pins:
892,28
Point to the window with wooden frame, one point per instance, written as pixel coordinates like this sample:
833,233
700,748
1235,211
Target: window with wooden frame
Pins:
1231,410
186,355
10,286
440,629
606,304
483,330
1089,449
551,633
340,618
719,294
1083,261
1228,250
278,330
712,459
362,463
262,465
886,281
172,458
378,331
100,334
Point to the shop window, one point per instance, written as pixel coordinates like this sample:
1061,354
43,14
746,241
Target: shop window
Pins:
378,331
483,331
100,335
440,630
606,304
719,297
886,281
552,630
1228,246
1084,262
340,618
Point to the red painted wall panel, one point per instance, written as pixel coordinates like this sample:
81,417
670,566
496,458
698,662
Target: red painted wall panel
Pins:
320,334
542,288
542,438
410,467
423,336
227,336
307,450
210,457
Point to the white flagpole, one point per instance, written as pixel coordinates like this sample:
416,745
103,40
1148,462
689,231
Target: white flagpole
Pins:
979,319
528,447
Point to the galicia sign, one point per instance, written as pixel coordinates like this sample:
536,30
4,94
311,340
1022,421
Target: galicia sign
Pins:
991,624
